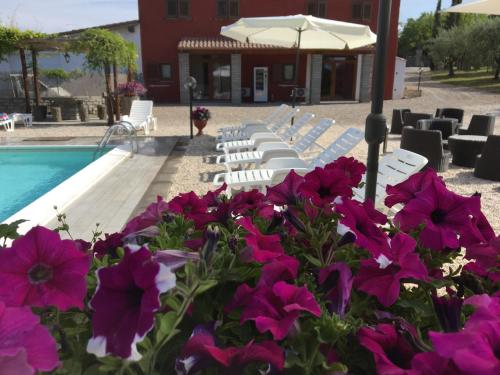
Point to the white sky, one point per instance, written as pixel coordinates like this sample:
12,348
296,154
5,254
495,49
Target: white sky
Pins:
62,15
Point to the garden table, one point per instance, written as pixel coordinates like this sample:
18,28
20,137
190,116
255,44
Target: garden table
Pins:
465,149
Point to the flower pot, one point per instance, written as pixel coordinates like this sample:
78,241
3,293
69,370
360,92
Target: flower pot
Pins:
200,125
126,104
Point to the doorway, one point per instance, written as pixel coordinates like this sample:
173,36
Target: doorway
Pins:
338,78
260,84
213,75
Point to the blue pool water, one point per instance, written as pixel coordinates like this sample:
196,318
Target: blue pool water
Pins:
27,173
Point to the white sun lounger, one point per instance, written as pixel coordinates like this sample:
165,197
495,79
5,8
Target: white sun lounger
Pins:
393,169
266,121
249,129
270,150
141,116
276,169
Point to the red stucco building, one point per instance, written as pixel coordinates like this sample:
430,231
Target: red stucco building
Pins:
180,38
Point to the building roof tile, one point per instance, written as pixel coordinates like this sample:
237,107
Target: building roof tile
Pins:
219,43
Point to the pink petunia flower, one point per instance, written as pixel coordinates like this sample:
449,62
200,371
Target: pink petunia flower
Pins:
108,245
478,230
286,192
42,270
263,248
351,168
274,309
323,186
381,276
486,257
125,301
336,280
246,201
361,220
284,268
408,189
191,207
211,198
26,346
201,352
153,215
442,213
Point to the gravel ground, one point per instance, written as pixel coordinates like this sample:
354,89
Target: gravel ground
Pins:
197,168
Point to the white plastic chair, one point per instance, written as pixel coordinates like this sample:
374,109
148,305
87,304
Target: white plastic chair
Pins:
259,137
249,129
8,125
273,116
269,150
141,116
26,118
276,169
393,169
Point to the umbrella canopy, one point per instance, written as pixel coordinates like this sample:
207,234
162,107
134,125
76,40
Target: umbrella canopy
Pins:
316,33
491,7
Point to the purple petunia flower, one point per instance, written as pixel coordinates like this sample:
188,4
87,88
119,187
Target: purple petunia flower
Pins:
487,308
108,245
211,198
443,214
486,257
42,270
153,215
286,192
323,186
191,207
478,230
336,280
125,301
408,189
283,268
274,309
351,168
361,220
201,352
381,276
26,346
263,248
448,310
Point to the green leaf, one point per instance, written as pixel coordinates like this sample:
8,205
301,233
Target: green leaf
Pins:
9,231
314,261
165,326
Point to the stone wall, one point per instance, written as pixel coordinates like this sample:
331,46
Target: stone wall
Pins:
316,71
69,105
183,76
236,78
365,87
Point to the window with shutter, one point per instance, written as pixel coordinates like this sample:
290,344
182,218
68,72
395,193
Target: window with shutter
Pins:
177,8
361,10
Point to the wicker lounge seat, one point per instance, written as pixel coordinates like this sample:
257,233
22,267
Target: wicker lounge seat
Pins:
427,143
456,113
479,125
488,163
465,149
397,122
412,118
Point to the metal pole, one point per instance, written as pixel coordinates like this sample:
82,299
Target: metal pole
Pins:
376,123
191,110
297,64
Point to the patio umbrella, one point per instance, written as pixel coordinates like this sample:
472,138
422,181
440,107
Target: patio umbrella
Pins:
300,32
491,7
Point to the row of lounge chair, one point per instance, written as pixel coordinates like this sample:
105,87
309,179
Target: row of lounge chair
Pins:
265,146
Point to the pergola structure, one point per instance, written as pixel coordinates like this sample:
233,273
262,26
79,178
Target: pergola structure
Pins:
35,45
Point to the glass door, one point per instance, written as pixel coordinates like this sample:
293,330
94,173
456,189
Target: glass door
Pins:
338,78
213,74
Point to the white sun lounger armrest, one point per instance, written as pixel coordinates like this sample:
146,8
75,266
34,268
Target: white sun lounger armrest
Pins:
286,163
278,153
219,179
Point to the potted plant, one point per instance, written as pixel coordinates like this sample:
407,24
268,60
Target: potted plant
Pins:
129,92
200,116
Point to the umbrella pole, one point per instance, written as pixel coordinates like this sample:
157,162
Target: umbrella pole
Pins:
297,64
376,123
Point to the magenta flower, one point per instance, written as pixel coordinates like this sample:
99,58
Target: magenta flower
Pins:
153,215
323,186
442,213
212,199
42,270
125,301
274,309
26,346
448,310
393,354
287,192
430,363
108,245
201,352
351,168
485,255
191,207
263,248
336,280
487,309
247,201
478,230
284,268
408,189
361,220
381,276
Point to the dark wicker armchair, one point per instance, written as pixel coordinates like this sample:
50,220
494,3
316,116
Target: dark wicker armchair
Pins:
398,120
488,163
411,118
480,125
456,113
427,143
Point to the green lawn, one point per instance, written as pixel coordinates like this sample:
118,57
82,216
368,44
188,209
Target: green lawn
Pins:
478,79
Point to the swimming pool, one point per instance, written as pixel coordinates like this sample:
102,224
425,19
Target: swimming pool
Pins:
27,173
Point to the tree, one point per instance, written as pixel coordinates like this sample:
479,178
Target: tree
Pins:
437,20
453,19
415,35
485,45
103,49
450,47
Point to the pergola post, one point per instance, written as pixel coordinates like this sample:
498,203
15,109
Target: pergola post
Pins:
36,84
115,89
376,123
22,56
109,99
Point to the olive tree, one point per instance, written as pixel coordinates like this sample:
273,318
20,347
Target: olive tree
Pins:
485,44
